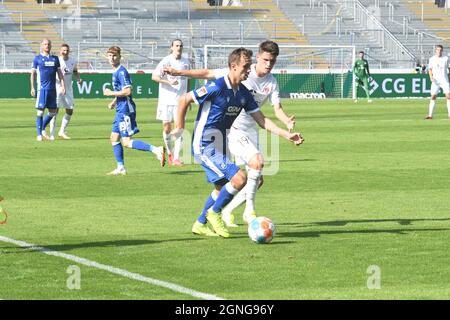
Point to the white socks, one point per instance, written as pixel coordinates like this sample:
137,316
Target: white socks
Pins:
177,148
236,202
52,125
65,121
448,107
250,189
166,138
431,107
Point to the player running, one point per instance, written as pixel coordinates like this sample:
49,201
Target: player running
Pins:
439,67
362,73
69,69
243,138
124,125
220,103
45,67
171,88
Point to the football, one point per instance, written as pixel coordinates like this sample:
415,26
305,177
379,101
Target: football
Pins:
261,230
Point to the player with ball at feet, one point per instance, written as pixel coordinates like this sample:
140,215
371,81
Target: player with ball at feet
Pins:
220,103
243,138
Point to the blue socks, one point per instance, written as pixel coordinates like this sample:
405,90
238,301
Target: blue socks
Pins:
226,194
47,120
39,121
141,145
208,204
118,153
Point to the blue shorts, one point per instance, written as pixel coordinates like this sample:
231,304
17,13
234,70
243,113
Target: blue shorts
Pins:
218,168
125,124
46,99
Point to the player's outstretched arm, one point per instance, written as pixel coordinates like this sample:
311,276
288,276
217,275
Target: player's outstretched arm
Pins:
270,126
192,73
289,121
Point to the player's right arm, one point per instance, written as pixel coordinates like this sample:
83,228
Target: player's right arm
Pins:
430,69
191,73
33,77
183,104
32,81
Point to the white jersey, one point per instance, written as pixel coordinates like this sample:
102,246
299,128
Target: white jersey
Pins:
169,95
67,67
263,89
439,67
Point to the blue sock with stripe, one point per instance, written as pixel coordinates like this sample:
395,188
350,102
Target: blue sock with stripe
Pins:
208,204
226,194
118,153
47,120
141,145
39,121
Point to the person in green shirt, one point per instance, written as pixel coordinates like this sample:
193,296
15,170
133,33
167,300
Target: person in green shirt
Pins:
362,73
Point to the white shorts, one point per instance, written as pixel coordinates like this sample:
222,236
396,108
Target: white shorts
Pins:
243,145
167,113
65,101
435,86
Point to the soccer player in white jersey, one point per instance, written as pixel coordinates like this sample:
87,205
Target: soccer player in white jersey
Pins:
243,137
438,67
69,69
171,88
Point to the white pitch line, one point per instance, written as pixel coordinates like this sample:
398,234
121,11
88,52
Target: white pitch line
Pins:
111,269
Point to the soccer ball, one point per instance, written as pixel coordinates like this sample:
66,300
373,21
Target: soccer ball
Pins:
261,230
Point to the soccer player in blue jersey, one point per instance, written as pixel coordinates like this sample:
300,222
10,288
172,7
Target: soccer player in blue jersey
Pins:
220,103
124,125
45,67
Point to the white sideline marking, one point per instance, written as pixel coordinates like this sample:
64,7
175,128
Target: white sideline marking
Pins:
120,272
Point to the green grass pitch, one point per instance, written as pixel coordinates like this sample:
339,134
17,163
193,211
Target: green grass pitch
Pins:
370,187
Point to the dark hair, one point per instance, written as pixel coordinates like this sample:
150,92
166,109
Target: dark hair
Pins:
176,40
114,50
65,45
440,46
361,52
270,47
236,54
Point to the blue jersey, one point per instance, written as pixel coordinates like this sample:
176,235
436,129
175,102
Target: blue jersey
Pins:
219,107
46,67
121,80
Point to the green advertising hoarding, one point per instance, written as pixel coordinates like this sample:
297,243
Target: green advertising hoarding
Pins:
17,85
399,86
294,86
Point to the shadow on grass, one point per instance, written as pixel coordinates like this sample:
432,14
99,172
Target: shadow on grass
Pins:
96,244
184,172
340,223
316,234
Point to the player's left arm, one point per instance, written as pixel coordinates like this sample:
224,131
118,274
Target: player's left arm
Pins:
61,80
125,84
289,121
125,92
270,126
